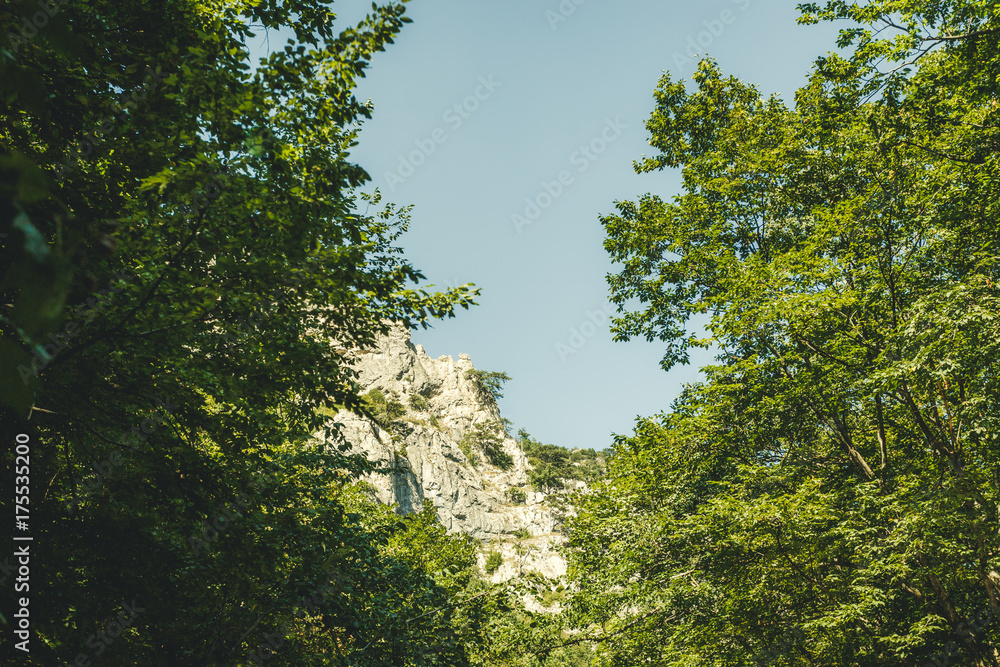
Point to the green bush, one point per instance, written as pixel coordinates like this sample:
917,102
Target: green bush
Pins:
385,410
516,495
576,655
327,411
496,456
550,598
489,438
418,402
465,444
545,477
493,562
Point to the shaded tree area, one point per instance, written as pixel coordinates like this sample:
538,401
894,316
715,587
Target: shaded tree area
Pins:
182,242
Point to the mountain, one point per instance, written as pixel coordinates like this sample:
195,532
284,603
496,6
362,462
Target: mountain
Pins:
439,433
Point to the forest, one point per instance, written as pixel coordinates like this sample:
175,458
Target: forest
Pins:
190,260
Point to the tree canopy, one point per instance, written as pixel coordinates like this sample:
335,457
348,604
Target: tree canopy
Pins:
186,262
829,493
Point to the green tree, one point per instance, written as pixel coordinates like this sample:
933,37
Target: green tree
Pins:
488,437
488,384
493,562
552,464
186,265
828,494
384,409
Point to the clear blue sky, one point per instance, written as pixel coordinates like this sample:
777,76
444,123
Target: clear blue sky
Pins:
535,85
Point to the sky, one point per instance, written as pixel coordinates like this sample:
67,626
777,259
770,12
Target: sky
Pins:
511,127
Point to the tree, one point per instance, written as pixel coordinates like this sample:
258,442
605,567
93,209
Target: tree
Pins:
186,265
385,410
488,384
551,464
488,437
827,495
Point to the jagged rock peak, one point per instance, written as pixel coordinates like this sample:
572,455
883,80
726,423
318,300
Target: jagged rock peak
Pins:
438,439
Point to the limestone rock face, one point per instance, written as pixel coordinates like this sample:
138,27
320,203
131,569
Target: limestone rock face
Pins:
425,452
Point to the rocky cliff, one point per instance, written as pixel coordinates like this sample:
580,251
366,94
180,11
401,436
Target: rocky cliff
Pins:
443,443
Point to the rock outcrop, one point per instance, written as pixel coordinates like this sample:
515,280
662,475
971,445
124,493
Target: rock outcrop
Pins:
434,450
